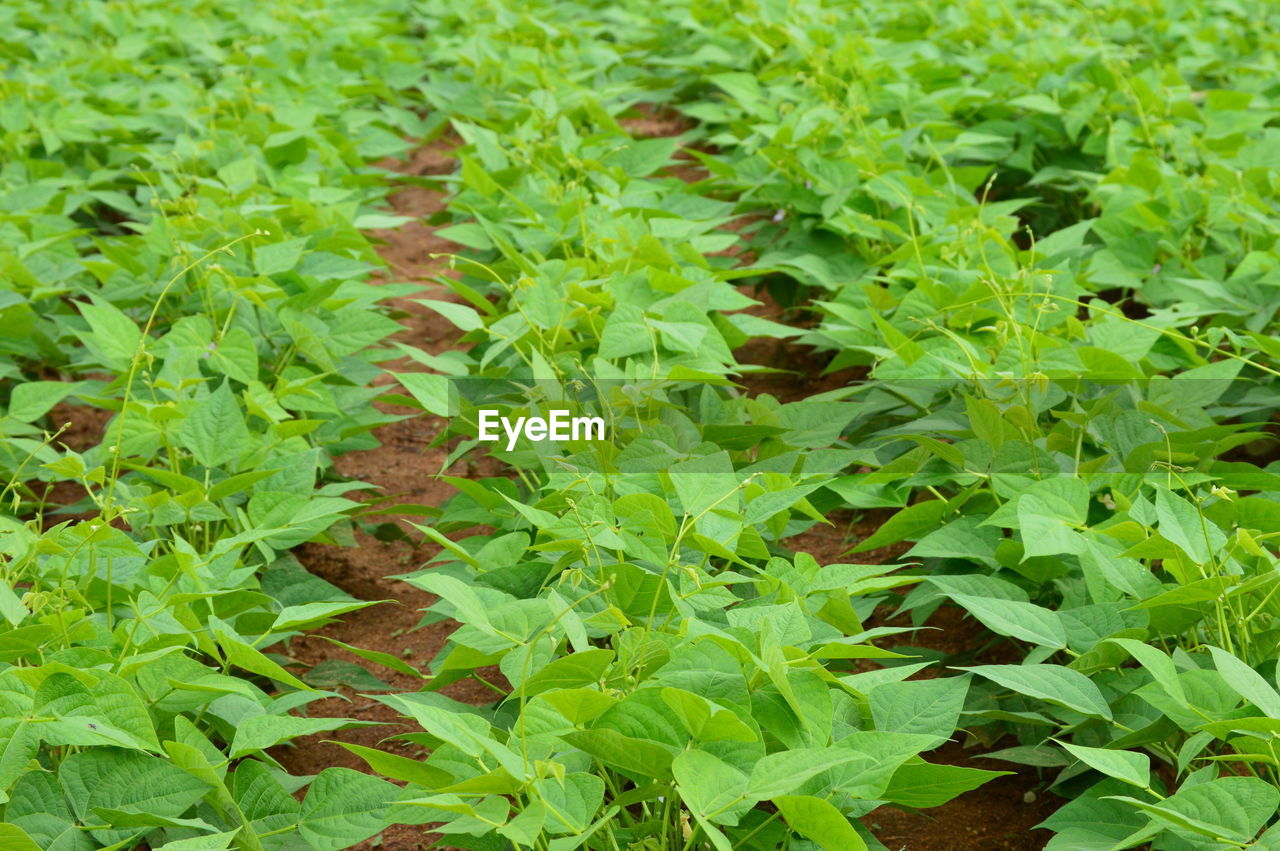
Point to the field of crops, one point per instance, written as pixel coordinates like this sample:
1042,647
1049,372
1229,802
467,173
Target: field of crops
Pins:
936,497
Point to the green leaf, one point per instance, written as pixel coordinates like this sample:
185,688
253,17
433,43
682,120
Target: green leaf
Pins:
456,724
908,524
332,673
1183,526
819,820
118,779
1053,683
783,772
19,744
433,392
31,400
625,333
576,669
277,257
127,818
1157,664
1090,823
1037,103
709,786
239,653
923,784
1246,682
262,799
114,336
239,483
928,707
571,805
215,431
463,317
625,753
14,838
707,721
264,731
1047,513
579,705
400,767
208,842
309,614
1131,767
344,807
1025,621
39,806
468,605
110,704
236,356
386,660
705,482
1231,808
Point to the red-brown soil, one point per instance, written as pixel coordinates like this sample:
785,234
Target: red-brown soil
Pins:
654,121
997,816
404,467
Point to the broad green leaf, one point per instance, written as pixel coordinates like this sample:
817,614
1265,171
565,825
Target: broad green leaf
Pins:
928,707
909,524
1053,683
277,257
215,431
262,799
400,767
1232,808
784,772
1131,767
572,671
239,653
819,820
643,757
344,807
39,806
208,842
465,318
294,617
19,744
1157,664
1181,524
456,724
14,838
707,721
31,400
470,609
1025,621
433,392
332,673
923,784
1090,823
114,336
572,804
110,704
578,705
705,482
386,660
710,787
1246,682
264,731
1047,513
119,779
